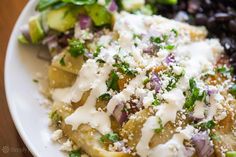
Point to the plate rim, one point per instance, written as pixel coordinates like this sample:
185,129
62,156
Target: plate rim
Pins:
19,128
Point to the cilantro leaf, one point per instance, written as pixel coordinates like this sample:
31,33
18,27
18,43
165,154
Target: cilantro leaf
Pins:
123,67
105,97
75,153
207,125
194,95
156,101
232,90
62,61
110,137
160,128
76,47
112,82
224,70
55,117
175,32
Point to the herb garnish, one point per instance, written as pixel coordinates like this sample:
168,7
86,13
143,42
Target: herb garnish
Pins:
110,137
224,70
175,78
175,32
232,90
112,82
207,125
123,67
193,96
98,50
75,153
62,61
156,101
160,128
76,47
105,97
55,117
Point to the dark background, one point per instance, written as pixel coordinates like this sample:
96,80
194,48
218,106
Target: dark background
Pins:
11,144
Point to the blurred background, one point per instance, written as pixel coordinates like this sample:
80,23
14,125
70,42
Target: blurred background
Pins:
11,144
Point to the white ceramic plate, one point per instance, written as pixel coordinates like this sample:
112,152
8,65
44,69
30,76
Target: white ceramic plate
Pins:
30,118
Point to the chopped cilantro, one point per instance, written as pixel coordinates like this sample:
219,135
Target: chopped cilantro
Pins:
100,61
98,50
232,90
62,61
194,95
76,47
75,153
55,117
146,81
156,101
156,40
35,81
160,128
215,137
124,67
105,97
224,70
112,82
172,84
110,137
175,32
169,47
137,36
207,125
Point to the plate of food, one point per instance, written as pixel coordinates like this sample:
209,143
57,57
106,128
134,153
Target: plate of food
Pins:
124,78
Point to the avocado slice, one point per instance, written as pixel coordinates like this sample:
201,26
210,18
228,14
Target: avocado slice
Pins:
132,5
35,29
22,39
99,14
64,18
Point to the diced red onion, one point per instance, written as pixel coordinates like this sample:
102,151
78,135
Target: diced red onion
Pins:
189,151
120,115
84,21
212,91
202,144
88,55
49,38
25,32
155,82
170,59
112,6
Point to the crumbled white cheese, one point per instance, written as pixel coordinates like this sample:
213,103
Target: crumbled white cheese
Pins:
57,135
67,146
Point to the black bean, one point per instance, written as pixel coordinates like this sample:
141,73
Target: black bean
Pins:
229,45
211,23
201,19
222,17
232,26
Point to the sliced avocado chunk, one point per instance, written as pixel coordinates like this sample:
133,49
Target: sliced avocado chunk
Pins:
132,5
63,18
231,154
22,39
35,29
167,2
99,14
